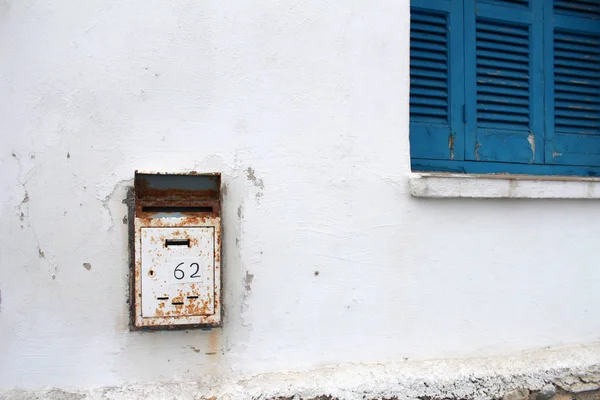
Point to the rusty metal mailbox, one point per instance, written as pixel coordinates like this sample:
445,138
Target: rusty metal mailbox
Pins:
177,251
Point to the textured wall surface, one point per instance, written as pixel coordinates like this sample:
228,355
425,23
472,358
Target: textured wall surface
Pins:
303,106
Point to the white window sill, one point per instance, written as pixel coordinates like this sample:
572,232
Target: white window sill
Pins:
442,185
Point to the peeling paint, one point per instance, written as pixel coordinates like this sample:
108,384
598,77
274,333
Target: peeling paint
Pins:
531,140
248,281
252,178
257,182
108,198
87,266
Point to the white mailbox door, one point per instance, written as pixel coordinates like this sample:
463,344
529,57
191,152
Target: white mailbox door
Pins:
178,271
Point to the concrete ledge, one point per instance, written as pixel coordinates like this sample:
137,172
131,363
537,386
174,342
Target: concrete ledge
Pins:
441,185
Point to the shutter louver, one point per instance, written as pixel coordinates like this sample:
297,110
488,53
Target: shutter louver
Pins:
502,76
573,77
429,67
578,8
519,3
435,68
501,87
576,83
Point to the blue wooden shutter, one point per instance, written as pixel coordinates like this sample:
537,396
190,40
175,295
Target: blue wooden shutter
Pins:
504,81
572,49
436,91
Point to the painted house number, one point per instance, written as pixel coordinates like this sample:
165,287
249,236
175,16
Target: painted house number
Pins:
179,271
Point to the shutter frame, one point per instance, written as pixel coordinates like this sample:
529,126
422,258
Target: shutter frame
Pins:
432,137
572,136
504,89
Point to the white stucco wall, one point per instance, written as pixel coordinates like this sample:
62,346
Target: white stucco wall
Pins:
303,106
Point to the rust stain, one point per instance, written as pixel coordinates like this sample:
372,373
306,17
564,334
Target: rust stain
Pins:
213,342
144,191
196,307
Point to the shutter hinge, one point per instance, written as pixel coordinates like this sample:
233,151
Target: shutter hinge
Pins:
464,112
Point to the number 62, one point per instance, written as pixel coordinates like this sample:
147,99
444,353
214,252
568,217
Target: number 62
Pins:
179,274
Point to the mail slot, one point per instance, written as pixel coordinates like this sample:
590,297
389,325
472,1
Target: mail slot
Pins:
177,251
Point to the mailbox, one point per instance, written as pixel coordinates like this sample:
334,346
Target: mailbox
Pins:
177,251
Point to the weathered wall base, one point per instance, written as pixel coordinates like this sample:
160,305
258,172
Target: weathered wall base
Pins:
559,374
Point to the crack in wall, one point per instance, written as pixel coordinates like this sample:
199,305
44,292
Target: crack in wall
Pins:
24,216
